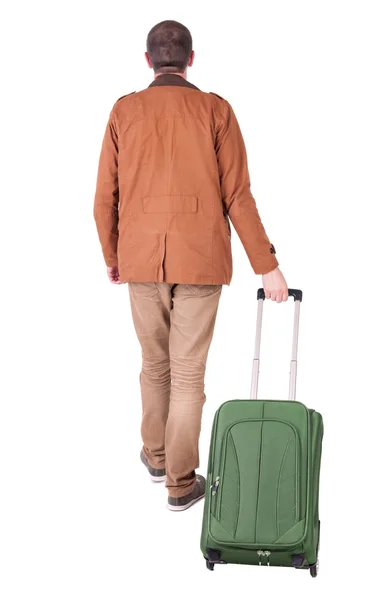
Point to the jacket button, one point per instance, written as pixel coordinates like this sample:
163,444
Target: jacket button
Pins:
272,249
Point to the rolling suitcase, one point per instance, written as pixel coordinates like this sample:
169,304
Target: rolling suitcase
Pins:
261,504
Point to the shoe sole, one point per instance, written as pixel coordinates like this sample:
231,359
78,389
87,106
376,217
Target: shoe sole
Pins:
158,479
185,506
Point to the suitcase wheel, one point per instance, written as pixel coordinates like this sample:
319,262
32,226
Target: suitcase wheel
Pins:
210,565
314,569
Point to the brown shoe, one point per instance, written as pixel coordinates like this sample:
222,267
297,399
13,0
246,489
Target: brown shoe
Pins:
156,475
194,496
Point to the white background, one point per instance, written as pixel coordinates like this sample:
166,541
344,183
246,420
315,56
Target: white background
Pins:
79,517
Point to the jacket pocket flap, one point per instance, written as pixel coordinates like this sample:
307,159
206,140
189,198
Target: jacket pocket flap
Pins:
170,204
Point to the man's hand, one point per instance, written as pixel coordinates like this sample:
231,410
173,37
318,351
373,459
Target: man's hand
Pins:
275,286
113,274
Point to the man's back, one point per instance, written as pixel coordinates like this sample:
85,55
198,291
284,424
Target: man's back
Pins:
181,169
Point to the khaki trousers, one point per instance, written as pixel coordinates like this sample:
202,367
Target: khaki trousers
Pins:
174,324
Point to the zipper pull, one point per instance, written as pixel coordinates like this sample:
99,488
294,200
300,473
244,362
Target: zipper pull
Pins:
260,553
215,485
267,554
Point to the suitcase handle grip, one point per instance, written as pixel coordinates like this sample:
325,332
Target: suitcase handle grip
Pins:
297,294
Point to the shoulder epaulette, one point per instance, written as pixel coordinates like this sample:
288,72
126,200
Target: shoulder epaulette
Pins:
125,95
221,98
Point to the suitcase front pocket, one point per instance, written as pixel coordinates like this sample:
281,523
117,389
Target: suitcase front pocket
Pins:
256,494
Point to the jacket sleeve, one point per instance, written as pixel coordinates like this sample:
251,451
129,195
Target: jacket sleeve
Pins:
106,203
237,197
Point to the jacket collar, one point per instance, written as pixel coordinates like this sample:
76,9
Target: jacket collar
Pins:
172,79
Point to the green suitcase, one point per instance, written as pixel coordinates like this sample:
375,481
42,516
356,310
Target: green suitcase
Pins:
262,500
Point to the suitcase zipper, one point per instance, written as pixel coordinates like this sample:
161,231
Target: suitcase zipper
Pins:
261,553
215,486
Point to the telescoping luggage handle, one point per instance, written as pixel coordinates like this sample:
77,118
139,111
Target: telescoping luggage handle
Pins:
298,296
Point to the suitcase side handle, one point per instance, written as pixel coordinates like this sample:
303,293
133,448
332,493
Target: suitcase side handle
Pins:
298,297
296,294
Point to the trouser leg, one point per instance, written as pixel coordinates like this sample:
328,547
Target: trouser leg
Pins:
192,324
151,306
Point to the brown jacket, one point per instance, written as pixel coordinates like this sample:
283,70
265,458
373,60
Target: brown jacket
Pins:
172,169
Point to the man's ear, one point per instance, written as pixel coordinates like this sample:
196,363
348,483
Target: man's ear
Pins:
149,62
191,59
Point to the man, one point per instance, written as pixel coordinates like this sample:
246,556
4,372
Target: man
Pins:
172,172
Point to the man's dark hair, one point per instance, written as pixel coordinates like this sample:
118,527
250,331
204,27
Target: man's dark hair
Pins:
169,46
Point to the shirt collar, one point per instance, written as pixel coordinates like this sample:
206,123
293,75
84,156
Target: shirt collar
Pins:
172,79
